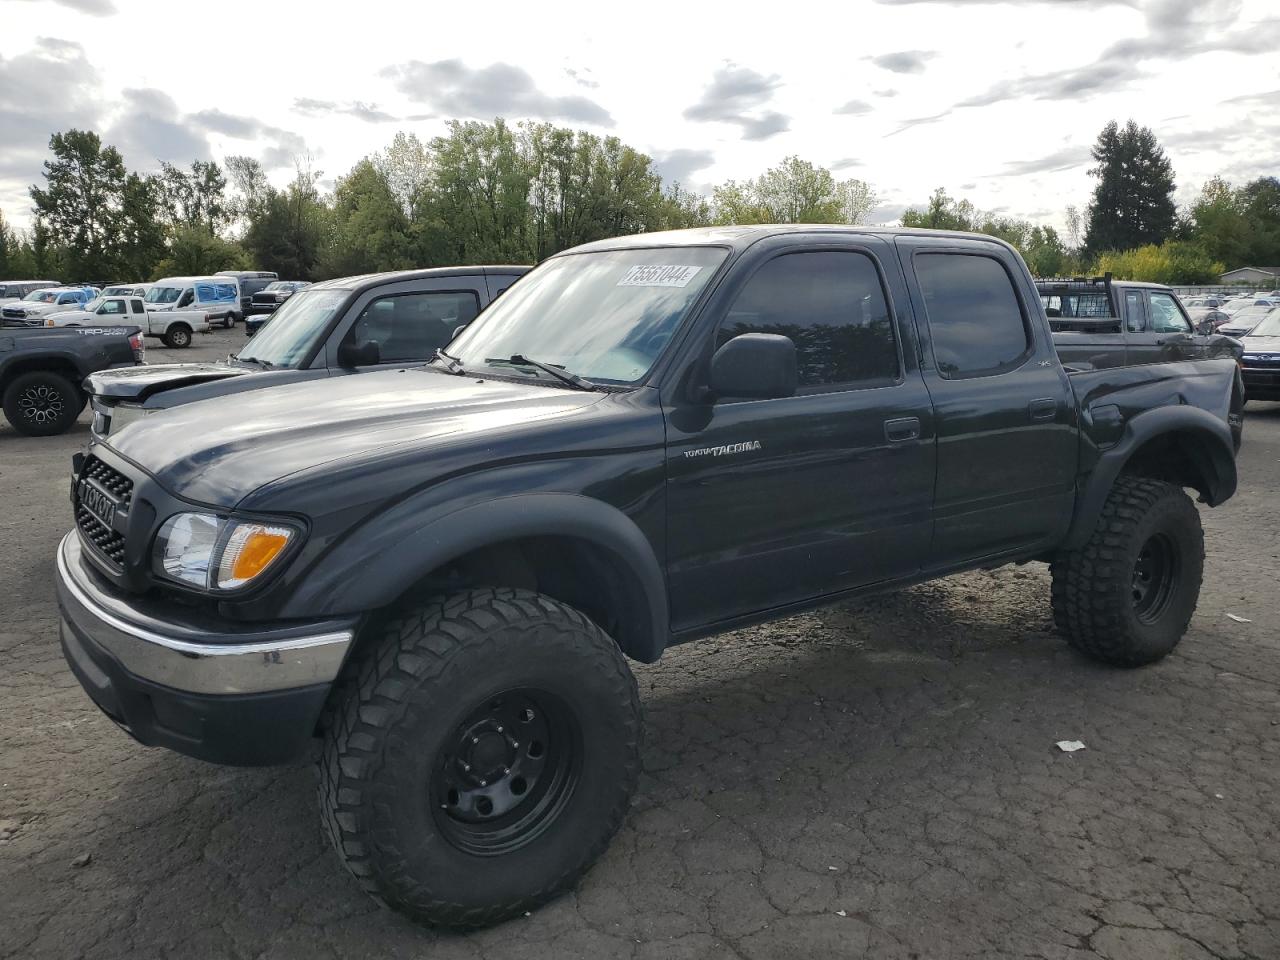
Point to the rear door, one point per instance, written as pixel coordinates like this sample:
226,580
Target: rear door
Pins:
1005,415
777,501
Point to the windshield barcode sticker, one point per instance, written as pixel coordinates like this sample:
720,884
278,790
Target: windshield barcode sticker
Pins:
659,275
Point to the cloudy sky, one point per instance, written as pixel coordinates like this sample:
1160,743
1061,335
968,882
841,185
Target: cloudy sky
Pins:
996,101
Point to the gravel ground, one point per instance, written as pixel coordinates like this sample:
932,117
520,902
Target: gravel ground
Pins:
877,779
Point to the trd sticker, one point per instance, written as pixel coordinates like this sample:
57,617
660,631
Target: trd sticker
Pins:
722,451
658,275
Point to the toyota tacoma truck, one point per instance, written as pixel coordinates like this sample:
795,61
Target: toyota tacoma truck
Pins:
353,325
440,571
41,371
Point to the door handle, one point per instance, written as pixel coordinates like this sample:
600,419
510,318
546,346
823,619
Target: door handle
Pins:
896,431
1045,408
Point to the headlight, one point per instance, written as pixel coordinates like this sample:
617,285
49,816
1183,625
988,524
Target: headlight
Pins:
218,553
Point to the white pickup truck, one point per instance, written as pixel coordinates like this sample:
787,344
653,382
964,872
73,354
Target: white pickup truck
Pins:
174,327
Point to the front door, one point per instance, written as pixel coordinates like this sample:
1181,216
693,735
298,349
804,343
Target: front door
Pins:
1006,418
409,326
777,501
1165,333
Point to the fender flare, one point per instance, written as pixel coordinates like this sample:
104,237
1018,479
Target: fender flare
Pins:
375,566
1213,452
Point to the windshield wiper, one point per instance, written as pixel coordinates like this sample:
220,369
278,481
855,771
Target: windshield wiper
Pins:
561,374
451,364
264,364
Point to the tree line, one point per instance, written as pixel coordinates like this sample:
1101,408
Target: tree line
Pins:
502,193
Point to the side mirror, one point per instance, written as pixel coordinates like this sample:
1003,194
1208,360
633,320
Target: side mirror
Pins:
364,355
1204,327
757,366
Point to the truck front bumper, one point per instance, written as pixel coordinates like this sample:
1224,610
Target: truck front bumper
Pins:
245,695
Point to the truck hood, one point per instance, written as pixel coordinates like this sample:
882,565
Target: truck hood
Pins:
138,383
1253,345
213,454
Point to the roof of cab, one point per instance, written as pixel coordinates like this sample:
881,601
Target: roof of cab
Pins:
395,276
741,237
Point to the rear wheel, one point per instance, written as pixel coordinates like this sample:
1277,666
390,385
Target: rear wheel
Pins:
1127,596
41,404
480,757
178,336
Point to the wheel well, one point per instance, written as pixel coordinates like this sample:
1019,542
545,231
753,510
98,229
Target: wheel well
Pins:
1183,457
38,365
578,572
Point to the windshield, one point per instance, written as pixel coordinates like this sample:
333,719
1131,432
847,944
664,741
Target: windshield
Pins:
294,328
42,296
605,316
163,294
278,285
1269,327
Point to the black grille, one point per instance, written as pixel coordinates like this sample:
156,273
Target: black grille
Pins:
13,313
109,478
106,541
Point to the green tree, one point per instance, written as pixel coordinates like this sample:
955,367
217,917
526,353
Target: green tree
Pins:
477,203
195,198
1261,202
195,251
141,235
80,204
288,228
406,166
1174,261
943,212
1132,204
795,191
370,230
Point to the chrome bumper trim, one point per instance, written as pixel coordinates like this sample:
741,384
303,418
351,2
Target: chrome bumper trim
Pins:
228,668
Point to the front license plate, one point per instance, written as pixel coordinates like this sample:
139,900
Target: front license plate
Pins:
98,502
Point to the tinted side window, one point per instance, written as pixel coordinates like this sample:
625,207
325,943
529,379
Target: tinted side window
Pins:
833,308
412,326
1165,315
975,321
137,306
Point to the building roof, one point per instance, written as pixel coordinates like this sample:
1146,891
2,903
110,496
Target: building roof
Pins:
1273,271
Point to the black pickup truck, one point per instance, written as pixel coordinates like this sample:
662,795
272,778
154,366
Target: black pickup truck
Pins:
441,570
329,329
1101,322
41,370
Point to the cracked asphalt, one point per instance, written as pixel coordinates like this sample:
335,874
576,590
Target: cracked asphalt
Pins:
877,779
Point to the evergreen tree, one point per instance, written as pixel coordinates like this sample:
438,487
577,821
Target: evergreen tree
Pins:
81,203
1132,205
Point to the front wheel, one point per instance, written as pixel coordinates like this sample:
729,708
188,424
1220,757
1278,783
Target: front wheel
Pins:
1127,596
480,757
178,336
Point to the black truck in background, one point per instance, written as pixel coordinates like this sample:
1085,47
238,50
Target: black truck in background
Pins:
441,570
351,325
1101,322
41,370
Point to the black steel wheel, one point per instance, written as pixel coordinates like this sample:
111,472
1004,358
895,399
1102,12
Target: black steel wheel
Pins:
507,772
1126,597
1155,575
41,404
480,752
